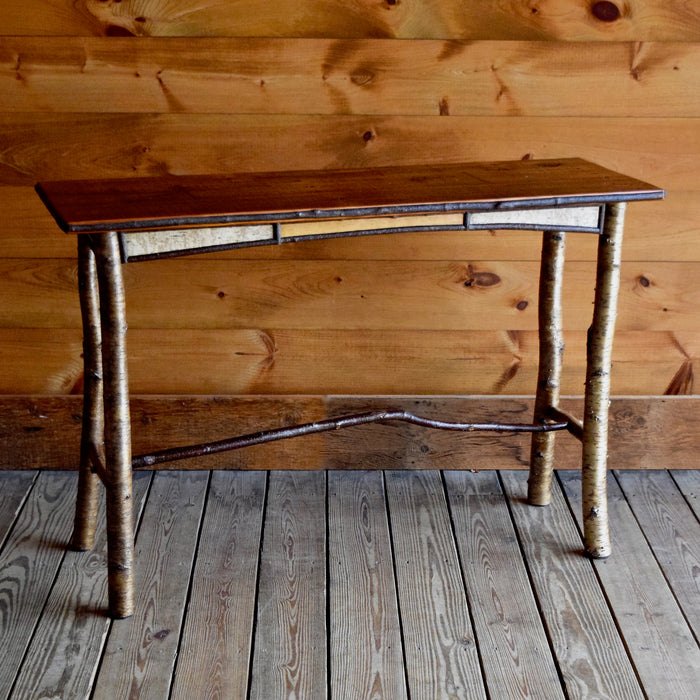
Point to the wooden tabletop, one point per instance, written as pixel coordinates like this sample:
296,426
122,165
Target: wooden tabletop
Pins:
87,206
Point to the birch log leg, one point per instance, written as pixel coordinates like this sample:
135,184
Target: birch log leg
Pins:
550,359
93,424
120,536
597,400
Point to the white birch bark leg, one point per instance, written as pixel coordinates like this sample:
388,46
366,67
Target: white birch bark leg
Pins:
120,536
550,359
93,423
595,422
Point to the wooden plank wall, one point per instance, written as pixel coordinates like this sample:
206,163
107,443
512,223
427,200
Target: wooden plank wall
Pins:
147,87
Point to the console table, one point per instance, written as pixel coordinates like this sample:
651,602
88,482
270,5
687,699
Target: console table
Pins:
127,220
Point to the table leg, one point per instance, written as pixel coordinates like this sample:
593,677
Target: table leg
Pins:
120,535
93,423
550,360
597,400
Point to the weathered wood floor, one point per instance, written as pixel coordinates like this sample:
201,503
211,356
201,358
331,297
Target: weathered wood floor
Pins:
356,584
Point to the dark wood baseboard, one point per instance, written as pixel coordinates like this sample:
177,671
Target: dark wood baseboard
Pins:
646,432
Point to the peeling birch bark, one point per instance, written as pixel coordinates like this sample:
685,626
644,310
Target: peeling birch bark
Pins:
550,361
120,535
92,434
597,400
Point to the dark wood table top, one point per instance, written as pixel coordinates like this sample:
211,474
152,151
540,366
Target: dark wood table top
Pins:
131,204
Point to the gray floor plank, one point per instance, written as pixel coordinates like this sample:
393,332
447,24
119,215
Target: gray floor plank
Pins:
366,657
441,654
214,655
591,655
658,639
289,656
514,648
29,562
14,489
282,612
688,481
66,648
672,532
140,651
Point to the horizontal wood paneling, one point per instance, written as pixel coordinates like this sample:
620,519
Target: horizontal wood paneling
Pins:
45,146
211,88
441,295
638,20
44,432
288,361
326,76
